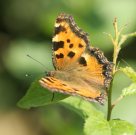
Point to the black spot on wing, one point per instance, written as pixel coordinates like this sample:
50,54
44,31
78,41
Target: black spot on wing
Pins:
71,45
82,61
58,56
68,40
57,45
80,45
71,54
59,29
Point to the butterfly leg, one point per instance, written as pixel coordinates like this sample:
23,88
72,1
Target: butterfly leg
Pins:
53,95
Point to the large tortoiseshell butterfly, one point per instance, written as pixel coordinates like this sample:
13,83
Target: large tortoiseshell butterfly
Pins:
80,69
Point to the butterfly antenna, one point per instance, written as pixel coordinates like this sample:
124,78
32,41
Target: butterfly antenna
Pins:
37,61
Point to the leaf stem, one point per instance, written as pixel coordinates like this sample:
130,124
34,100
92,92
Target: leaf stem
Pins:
109,101
116,101
115,56
117,41
116,46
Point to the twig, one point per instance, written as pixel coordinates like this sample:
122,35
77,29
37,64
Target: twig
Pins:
115,56
117,42
116,101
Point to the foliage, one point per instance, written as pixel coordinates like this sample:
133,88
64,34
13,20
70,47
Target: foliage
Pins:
94,121
26,28
38,96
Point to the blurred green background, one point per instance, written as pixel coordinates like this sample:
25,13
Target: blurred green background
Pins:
26,27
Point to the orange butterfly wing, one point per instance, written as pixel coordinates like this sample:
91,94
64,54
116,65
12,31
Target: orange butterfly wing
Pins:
95,67
69,42
58,85
80,70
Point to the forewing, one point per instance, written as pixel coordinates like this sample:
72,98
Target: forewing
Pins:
69,42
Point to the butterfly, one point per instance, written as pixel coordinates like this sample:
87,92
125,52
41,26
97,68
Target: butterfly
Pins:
80,69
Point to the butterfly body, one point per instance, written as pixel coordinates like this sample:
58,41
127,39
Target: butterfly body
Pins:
79,69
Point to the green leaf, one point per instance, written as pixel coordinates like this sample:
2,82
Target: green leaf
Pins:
39,96
96,125
130,73
131,90
81,106
120,127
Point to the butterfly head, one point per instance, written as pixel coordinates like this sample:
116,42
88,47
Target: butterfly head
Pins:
50,73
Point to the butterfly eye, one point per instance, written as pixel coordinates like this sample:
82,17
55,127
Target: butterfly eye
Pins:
51,73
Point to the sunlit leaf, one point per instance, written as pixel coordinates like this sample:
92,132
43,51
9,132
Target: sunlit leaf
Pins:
120,127
130,73
38,96
131,90
96,125
81,106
